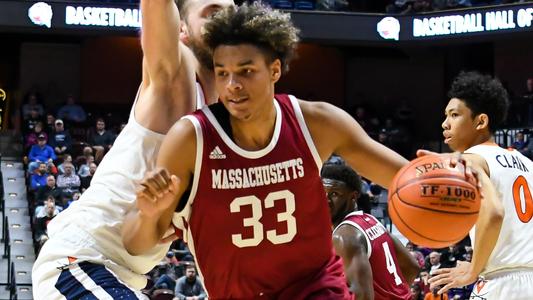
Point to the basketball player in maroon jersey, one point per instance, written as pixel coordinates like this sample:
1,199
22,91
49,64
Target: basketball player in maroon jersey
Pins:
249,195
376,264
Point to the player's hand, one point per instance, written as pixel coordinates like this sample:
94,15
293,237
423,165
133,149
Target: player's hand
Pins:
450,278
157,192
169,236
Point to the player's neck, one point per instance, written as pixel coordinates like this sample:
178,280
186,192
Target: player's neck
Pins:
206,77
255,134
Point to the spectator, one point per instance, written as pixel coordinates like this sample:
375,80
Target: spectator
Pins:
60,140
100,139
40,153
69,181
31,138
29,123
167,272
38,178
416,254
86,181
434,262
75,197
32,105
41,224
41,212
189,287
84,170
416,292
50,124
50,189
521,144
67,158
72,112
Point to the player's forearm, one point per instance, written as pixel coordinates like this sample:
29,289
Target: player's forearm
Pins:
159,38
139,233
359,275
487,227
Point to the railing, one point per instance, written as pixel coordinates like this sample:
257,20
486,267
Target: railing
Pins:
7,251
12,284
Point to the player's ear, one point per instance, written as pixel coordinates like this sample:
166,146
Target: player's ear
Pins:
184,32
275,68
482,121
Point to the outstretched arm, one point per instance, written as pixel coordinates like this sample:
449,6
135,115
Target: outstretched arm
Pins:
168,86
334,131
161,190
487,230
350,245
408,264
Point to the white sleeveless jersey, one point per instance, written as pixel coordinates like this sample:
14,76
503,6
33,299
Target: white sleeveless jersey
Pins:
511,174
101,209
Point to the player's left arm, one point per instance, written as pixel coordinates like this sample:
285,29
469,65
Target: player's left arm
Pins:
408,264
487,231
350,245
335,131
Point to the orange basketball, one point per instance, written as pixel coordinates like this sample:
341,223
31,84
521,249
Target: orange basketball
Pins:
432,204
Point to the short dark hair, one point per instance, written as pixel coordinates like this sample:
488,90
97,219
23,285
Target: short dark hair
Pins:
482,94
255,24
342,173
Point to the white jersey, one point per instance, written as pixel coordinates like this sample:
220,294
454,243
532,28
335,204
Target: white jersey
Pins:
97,217
511,173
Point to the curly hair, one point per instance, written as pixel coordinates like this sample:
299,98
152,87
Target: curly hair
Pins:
255,24
344,174
482,94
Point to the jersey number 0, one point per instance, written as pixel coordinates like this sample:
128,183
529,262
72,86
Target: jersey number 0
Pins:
257,213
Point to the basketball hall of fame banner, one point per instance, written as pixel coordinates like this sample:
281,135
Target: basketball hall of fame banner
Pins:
79,18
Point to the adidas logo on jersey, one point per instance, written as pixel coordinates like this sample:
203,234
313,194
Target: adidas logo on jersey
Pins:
217,154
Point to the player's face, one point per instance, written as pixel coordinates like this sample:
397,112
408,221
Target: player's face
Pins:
341,199
245,80
198,13
460,131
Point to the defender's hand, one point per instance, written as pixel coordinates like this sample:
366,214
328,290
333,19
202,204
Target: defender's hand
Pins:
157,192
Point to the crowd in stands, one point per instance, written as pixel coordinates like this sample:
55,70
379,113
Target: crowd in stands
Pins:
63,148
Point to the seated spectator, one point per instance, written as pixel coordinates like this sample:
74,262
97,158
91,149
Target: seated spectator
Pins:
50,189
32,105
521,144
167,272
67,158
416,292
38,178
86,181
84,170
41,212
434,262
31,138
75,197
50,124
189,287
41,223
60,140
72,112
100,139
40,153
69,181
29,123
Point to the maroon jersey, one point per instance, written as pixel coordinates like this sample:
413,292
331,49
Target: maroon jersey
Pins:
257,222
389,283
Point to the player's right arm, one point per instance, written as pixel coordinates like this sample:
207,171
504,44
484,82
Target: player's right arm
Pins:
168,84
487,231
350,245
161,190
408,264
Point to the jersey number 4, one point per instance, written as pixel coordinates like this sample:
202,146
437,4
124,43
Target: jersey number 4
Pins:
391,266
524,209
257,213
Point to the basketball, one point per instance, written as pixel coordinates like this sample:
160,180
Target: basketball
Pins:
433,204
